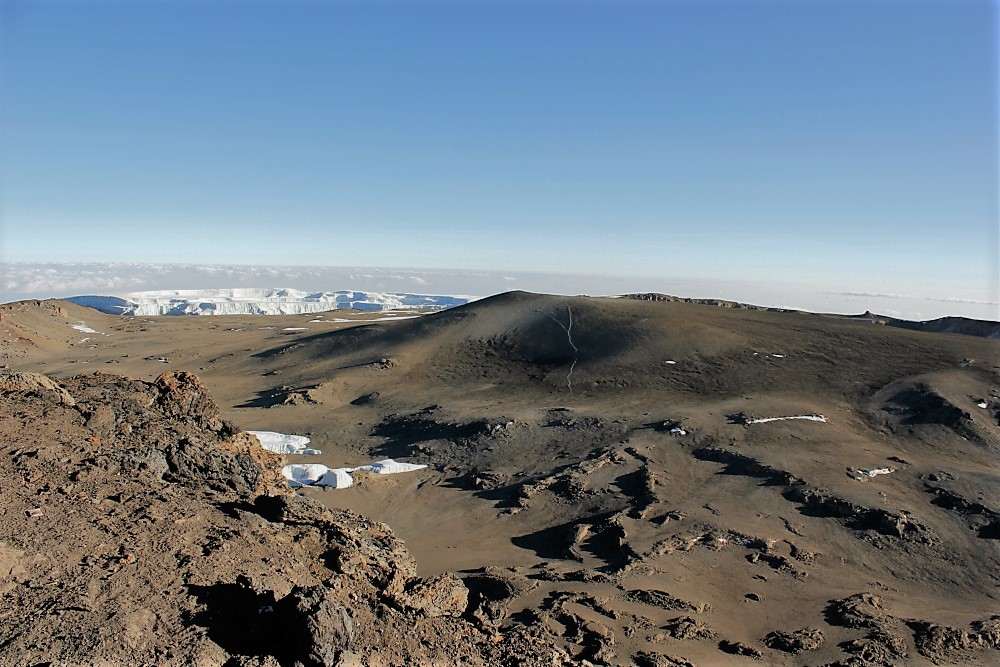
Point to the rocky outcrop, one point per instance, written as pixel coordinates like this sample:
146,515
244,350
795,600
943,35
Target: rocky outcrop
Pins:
12,382
148,530
739,648
182,395
443,595
685,627
942,644
884,643
176,416
352,544
806,639
721,303
318,629
651,659
817,502
491,590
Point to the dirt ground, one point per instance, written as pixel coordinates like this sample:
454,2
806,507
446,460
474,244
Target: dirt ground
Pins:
606,483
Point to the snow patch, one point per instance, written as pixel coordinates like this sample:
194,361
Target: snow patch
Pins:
304,474
336,478
282,443
315,474
84,328
377,319
391,467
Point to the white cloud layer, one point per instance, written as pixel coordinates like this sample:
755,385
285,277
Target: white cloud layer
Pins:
42,280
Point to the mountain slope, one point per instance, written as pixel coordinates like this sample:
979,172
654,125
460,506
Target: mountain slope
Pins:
624,347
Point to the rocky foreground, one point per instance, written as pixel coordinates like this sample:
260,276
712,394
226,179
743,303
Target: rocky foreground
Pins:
137,527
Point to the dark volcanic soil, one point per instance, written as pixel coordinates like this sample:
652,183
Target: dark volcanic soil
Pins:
607,483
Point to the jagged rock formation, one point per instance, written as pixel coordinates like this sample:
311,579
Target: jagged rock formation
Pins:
140,528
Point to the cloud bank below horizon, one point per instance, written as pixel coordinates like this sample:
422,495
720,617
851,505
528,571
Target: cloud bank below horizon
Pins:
42,280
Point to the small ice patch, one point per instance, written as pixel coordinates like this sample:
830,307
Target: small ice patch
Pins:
670,361
84,328
764,420
315,474
295,329
982,404
874,472
336,478
391,467
378,319
304,474
778,356
282,443
677,430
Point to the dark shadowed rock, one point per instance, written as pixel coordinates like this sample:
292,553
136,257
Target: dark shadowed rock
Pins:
806,639
318,629
192,461
366,399
739,648
685,627
292,509
490,592
651,659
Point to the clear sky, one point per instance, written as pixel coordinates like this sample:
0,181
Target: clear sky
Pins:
846,144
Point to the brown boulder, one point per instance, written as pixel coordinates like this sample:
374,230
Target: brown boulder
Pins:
443,595
15,382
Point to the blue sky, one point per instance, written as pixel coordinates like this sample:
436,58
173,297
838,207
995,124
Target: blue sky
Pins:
848,145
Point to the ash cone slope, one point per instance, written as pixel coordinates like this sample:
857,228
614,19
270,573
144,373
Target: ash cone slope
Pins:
622,345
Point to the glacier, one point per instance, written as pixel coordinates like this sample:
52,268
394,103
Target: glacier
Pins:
259,301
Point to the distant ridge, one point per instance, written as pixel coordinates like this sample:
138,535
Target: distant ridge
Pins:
721,303
958,325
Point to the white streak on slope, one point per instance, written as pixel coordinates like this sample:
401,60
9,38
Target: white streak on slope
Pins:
763,420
